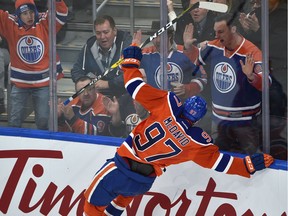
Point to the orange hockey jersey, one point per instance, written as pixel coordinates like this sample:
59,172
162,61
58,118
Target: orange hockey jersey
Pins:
95,120
29,48
164,138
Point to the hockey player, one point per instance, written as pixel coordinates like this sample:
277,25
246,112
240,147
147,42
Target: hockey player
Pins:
168,136
26,32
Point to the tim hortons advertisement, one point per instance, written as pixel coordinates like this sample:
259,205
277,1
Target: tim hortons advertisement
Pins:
48,177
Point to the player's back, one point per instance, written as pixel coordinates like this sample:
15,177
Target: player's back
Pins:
162,138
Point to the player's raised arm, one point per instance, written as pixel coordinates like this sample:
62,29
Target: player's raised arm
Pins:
146,95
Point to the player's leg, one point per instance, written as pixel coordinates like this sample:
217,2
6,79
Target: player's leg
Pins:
103,191
118,205
97,195
108,183
91,210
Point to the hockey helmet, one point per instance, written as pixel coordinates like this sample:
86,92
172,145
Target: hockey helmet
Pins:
194,108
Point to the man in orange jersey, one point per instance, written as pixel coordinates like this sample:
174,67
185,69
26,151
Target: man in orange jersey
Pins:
168,136
26,32
91,113
235,70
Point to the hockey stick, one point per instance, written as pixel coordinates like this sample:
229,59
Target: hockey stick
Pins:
218,7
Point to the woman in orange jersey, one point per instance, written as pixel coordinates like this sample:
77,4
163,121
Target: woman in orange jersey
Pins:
168,136
27,34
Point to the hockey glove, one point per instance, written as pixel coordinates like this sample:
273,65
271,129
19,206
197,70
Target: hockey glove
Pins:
132,56
257,162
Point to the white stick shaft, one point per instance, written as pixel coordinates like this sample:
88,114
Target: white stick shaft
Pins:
218,7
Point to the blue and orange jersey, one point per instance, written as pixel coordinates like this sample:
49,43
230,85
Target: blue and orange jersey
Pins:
165,138
29,48
179,67
234,97
95,120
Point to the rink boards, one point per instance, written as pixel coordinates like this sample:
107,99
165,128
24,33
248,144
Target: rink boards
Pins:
45,173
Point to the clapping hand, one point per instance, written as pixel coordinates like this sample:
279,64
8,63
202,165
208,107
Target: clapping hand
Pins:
111,105
249,22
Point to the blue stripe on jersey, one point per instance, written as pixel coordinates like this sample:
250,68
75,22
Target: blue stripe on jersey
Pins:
223,163
29,77
133,85
62,18
129,141
33,76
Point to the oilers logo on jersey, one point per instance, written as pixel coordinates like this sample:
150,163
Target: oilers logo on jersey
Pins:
174,74
30,49
132,121
224,77
100,126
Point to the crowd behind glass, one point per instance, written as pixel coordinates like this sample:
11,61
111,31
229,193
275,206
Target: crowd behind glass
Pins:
106,109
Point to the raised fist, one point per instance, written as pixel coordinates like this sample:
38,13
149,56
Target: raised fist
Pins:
132,56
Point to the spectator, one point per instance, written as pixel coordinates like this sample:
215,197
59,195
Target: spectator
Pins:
202,19
99,53
236,84
90,113
27,35
179,66
251,29
167,137
250,23
206,26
